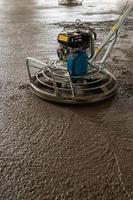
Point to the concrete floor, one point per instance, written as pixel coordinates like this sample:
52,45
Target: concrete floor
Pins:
57,152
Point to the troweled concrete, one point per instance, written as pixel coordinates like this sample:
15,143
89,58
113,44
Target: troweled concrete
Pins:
59,152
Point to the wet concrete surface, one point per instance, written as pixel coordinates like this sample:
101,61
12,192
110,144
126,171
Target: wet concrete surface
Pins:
58,152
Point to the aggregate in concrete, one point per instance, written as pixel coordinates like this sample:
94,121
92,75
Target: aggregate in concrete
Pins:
57,152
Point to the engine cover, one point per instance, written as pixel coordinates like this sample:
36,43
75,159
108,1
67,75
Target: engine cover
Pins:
76,39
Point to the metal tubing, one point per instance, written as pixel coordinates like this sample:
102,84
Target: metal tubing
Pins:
113,31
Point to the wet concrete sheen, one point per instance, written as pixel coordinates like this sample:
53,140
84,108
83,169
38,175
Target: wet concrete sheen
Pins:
59,152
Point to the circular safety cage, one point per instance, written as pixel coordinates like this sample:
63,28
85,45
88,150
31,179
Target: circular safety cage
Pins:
51,81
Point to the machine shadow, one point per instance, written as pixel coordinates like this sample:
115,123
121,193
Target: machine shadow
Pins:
104,104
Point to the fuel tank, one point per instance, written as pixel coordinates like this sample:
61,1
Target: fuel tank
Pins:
77,63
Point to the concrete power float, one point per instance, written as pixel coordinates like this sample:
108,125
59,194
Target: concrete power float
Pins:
76,77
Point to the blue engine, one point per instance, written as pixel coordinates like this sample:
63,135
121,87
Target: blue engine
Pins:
77,63
73,49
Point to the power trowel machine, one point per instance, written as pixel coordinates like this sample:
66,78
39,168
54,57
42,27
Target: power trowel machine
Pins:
76,77
70,2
